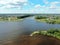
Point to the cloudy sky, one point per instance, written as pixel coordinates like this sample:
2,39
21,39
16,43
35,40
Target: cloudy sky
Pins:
29,6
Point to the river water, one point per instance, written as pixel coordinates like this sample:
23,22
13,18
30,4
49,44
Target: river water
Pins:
9,30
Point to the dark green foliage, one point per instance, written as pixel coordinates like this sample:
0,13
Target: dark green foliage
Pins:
52,31
40,17
51,22
19,17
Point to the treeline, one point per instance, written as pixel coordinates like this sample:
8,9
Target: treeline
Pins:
19,17
40,17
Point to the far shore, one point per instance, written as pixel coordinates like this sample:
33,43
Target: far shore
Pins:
49,19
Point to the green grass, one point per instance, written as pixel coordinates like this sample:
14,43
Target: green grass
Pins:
57,21
53,20
52,32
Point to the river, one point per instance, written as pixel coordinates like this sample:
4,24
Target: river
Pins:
9,30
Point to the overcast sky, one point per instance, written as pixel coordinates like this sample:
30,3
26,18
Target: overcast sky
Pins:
29,6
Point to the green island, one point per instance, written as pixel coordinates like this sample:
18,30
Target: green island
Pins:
48,19
52,32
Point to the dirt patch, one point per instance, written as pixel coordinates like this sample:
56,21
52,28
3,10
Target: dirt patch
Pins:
34,40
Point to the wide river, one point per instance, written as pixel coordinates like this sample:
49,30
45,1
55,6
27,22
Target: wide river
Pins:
9,30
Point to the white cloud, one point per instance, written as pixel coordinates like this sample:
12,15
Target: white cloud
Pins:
37,6
12,3
45,1
9,5
52,7
54,4
25,4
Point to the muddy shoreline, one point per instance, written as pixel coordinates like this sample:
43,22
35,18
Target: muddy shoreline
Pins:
33,40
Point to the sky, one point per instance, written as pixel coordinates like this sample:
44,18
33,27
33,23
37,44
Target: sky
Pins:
30,6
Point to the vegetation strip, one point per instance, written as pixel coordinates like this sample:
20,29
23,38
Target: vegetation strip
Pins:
52,32
48,19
